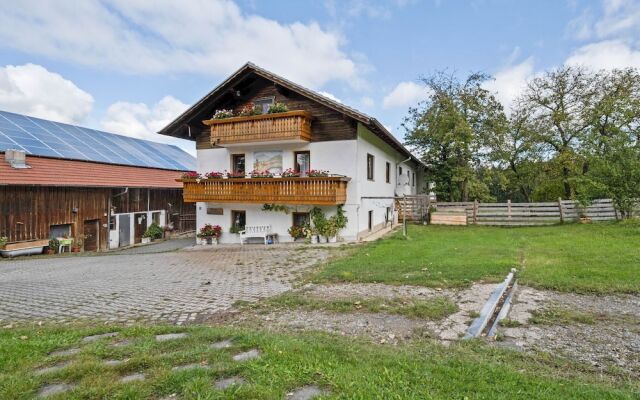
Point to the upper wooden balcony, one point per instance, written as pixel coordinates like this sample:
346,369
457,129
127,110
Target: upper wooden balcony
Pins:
323,191
290,126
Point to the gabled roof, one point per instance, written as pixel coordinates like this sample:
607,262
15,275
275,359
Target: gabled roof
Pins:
47,171
177,126
40,137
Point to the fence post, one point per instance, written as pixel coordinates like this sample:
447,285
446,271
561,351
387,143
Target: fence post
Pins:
509,210
475,211
560,208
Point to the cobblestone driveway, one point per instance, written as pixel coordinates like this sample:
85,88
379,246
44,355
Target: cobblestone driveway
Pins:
174,287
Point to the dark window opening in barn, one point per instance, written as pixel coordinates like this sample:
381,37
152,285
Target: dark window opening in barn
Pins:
63,230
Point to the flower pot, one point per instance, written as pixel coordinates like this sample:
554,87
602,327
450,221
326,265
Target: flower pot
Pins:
314,239
333,239
146,240
209,240
75,249
51,251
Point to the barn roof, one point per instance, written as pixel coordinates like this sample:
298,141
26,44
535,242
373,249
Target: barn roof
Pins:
42,137
47,171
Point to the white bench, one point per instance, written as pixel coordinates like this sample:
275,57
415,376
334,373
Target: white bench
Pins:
256,231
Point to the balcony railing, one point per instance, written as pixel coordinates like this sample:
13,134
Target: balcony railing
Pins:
286,126
309,190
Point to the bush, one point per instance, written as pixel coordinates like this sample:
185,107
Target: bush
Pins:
54,244
3,241
154,231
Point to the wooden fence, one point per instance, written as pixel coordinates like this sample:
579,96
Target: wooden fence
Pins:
528,214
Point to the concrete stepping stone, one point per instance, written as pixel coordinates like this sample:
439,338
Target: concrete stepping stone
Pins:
170,336
247,355
305,393
66,352
224,383
93,338
189,366
223,344
121,343
55,388
54,368
132,378
113,363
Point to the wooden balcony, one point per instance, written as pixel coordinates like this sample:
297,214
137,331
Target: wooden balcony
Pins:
290,126
323,191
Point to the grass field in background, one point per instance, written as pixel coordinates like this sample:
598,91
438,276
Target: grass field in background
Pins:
590,258
344,368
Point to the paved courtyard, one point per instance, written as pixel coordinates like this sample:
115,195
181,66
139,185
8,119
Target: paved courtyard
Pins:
175,287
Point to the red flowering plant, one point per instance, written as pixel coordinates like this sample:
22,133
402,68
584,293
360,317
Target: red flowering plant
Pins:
290,173
260,174
249,110
210,231
234,174
214,175
314,173
191,175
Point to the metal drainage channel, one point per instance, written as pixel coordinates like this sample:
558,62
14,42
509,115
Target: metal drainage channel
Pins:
494,310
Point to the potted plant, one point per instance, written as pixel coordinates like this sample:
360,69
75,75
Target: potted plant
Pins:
260,174
316,173
191,175
210,233
234,174
222,114
76,245
214,175
250,110
276,108
154,231
331,230
3,241
290,173
296,232
54,245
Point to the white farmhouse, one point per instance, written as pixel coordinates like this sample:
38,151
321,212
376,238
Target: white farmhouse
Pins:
273,150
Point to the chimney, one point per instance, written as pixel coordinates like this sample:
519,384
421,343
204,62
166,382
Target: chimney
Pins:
16,158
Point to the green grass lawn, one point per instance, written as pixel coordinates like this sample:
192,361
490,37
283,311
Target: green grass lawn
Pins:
593,258
345,368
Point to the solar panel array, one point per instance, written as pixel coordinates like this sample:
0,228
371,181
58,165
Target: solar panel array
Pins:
54,139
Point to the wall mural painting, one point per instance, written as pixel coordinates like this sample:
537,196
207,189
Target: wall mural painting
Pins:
268,161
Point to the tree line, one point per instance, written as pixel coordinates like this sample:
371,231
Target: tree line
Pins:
572,133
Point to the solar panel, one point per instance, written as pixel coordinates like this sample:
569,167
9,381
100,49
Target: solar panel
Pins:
54,139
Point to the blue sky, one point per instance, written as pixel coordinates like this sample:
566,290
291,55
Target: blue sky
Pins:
130,66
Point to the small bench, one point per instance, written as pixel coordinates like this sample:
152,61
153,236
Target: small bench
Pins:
256,231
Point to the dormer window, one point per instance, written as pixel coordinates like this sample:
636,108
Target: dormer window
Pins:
263,104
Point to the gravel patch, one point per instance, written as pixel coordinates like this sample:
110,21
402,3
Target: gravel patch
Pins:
54,368
64,353
187,367
132,378
223,344
305,393
613,340
113,363
93,338
170,336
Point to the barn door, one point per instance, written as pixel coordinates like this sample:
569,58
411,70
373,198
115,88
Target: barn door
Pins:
124,230
91,235
140,226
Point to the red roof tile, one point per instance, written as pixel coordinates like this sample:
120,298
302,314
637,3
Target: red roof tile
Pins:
58,172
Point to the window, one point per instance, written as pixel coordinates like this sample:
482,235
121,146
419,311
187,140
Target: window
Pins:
60,230
369,167
238,219
388,173
112,223
238,163
155,217
370,225
263,104
413,179
302,162
301,219
399,170
387,216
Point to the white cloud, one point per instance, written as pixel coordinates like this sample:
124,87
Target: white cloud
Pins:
405,94
201,36
606,54
31,89
620,17
330,95
510,81
141,121
367,101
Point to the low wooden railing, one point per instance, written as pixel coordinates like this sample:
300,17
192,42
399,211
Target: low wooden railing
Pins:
290,125
313,191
